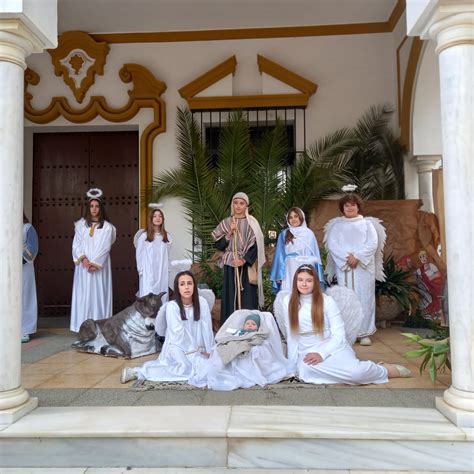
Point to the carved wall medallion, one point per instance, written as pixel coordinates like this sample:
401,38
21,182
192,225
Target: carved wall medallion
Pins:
78,58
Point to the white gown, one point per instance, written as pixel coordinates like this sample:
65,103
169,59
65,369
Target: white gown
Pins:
340,364
29,318
152,265
264,364
356,236
91,292
180,356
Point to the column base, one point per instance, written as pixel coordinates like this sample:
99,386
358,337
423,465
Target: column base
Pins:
461,418
10,415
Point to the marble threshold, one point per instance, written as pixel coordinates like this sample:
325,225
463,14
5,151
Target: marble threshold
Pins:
271,437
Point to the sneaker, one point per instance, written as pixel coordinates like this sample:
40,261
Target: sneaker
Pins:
128,373
25,338
365,341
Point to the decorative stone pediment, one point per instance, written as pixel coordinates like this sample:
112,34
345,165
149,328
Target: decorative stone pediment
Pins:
78,58
298,88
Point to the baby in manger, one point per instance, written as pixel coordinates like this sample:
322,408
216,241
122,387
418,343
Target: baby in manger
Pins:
242,358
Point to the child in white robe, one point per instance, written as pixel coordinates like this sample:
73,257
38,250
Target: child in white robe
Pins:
187,325
317,348
92,284
252,355
152,253
355,255
29,318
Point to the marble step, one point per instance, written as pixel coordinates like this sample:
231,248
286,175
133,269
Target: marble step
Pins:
238,437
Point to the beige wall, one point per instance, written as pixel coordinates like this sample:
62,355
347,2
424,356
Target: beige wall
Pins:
353,72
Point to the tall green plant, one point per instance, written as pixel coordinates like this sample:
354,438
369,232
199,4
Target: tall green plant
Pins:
205,189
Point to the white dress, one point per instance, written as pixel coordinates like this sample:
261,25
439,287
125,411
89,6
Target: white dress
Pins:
264,364
29,302
180,356
340,364
91,292
356,236
152,265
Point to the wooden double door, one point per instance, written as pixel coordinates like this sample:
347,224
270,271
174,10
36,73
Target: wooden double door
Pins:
65,166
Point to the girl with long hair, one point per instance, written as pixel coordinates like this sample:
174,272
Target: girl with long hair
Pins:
186,324
94,236
296,245
317,349
152,254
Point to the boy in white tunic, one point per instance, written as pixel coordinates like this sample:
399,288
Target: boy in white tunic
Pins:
153,246
317,348
355,255
92,284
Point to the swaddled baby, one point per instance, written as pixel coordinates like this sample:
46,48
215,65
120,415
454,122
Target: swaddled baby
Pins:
251,324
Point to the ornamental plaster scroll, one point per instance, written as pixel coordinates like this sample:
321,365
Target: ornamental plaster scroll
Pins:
145,93
78,58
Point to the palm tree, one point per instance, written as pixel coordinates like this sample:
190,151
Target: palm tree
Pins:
205,189
375,156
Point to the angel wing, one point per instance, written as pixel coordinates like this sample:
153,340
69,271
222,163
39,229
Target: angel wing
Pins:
160,321
177,266
330,264
209,296
381,238
350,308
137,236
280,310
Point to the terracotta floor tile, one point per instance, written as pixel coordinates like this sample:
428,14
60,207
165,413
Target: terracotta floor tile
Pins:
72,381
112,381
66,356
95,367
34,380
52,369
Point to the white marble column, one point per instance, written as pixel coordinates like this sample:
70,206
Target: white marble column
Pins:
424,166
451,25
17,40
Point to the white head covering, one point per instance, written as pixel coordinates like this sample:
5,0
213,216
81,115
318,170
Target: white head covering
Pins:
301,233
255,226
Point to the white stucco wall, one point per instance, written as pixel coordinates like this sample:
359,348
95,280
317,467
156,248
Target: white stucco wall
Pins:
352,72
426,121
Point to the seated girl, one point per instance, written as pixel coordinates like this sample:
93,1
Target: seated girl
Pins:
242,358
187,325
317,348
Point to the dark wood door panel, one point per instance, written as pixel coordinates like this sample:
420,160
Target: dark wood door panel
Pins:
65,166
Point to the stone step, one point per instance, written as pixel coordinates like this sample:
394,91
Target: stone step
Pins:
238,437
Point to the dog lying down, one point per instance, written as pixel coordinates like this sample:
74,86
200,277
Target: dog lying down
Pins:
128,334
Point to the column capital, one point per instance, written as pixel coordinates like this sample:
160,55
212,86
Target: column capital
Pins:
17,41
425,163
448,23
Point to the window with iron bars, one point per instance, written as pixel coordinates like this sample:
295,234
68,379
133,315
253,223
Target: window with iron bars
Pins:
260,120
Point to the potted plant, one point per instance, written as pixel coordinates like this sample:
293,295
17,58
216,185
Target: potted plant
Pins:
395,294
435,354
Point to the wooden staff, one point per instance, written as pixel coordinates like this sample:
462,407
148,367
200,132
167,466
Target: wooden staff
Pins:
237,275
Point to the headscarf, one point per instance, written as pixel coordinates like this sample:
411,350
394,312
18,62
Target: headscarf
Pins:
255,226
302,233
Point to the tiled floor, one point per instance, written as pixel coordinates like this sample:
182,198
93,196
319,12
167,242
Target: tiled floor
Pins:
71,369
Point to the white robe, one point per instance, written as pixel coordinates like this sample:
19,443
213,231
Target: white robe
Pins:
152,265
29,318
91,292
357,237
340,364
180,356
264,364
